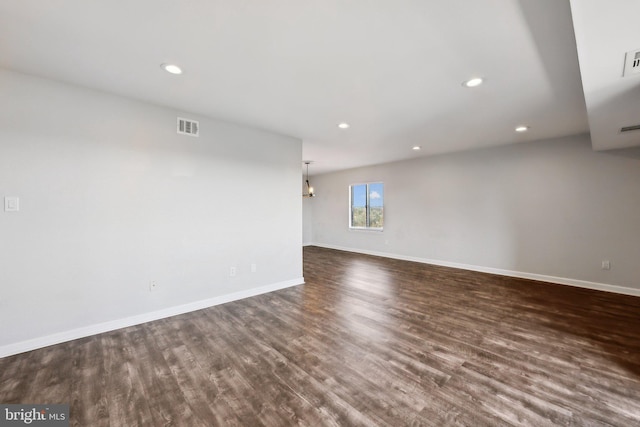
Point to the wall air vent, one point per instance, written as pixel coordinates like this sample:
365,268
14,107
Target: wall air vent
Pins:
630,128
632,63
188,127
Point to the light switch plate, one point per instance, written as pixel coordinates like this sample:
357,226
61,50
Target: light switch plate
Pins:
11,204
631,63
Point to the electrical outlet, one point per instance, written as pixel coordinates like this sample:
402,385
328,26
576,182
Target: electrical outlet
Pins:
606,265
153,285
254,268
232,271
11,204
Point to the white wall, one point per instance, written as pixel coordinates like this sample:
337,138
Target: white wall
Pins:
550,208
112,198
307,221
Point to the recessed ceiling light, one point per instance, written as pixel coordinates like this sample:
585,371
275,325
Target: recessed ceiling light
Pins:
343,125
522,129
476,81
171,68
416,148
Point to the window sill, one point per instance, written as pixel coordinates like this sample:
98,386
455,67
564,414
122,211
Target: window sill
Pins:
378,230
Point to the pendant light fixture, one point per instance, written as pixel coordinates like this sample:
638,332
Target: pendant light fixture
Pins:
309,192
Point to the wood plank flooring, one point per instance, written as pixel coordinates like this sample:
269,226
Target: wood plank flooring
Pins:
365,342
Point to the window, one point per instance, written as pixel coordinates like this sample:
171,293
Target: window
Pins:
367,206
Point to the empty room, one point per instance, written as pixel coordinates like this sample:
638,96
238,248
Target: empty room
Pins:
336,213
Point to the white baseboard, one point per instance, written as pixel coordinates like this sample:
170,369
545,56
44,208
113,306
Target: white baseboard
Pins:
510,273
36,343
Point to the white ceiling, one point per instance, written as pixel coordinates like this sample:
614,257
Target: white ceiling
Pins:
391,69
605,31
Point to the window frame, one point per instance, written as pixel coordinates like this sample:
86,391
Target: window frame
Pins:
367,207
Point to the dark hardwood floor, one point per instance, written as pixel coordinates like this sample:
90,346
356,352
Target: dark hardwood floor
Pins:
366,341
